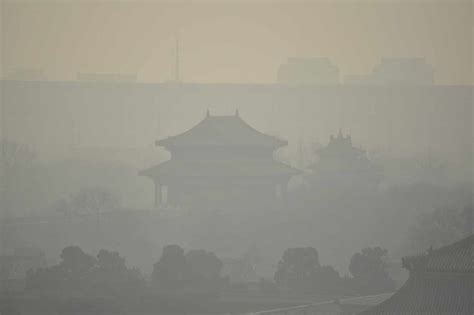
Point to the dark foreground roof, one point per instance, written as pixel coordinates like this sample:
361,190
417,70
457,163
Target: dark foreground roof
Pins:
222,131
219,168
441,282
430,294
457,257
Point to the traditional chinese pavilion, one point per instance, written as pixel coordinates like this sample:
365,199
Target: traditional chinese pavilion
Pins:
441,282
221,160
341,164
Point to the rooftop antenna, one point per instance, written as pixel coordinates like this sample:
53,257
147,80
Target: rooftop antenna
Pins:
177,57
158,122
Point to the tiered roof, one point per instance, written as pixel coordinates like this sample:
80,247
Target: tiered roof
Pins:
441,282
222,131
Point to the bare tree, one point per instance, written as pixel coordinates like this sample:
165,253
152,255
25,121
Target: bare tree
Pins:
93,201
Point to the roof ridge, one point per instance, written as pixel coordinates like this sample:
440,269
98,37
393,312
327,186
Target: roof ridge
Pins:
213,127
257,131
157,142
430,259
228,130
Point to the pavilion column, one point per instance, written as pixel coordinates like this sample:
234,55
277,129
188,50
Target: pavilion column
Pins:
157,201
284,193
173,194
281,192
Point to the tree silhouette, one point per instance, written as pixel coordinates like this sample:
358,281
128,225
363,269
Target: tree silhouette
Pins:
69,274
204,270
203,264
110,261
171,271
112,274
297,268
75,261
78,271
369,270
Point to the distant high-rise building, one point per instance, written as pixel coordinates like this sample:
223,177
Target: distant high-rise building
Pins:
409,71
106,77
308,71
358,80
26,74
396,71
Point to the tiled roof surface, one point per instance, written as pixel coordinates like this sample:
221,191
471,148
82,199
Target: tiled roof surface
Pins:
430,294
457,257
445,285
222,131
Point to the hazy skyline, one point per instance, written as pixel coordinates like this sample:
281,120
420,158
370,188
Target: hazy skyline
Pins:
299,158
235,41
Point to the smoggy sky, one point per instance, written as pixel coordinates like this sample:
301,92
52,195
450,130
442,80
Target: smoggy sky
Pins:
232,41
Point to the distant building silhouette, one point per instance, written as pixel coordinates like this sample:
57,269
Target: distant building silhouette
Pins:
26,74
440,282
220,161
342,164
106,77
396,71
308,71
362,79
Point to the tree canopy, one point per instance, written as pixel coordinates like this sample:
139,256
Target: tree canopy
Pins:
369,270
78,271
171,271
297,268
196,270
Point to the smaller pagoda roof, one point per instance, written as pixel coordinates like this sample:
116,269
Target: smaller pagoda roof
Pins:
219,168
340,145
222,131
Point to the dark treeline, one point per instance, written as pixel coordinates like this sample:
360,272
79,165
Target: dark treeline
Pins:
199,272
300,270
79,272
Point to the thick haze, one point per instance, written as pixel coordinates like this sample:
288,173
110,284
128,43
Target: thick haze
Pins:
232,41
224,157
